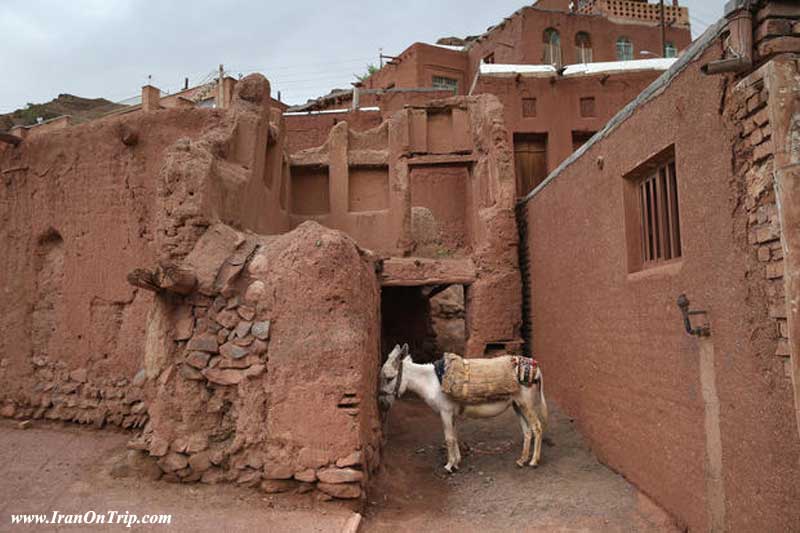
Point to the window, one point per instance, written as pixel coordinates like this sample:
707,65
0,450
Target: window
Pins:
529,107
579,138
587,107
670,50
441,82
489,58
653,214
624,49
583,47
552,47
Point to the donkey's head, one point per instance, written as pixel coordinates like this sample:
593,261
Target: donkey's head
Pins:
391,374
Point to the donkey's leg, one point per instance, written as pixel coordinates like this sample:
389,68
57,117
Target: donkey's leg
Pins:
457,446
450,440
536,427
526,435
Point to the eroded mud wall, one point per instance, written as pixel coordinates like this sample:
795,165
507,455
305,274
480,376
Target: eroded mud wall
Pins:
83,206
269,369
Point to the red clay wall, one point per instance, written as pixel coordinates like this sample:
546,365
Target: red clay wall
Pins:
310,130
447,164
85,205
69,318
612,343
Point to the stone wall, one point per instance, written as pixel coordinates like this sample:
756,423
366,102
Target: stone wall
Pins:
268,368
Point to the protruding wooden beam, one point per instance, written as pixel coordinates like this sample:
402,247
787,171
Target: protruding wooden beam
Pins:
10,139
166,277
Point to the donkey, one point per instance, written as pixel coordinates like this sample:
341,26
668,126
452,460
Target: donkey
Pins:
399,373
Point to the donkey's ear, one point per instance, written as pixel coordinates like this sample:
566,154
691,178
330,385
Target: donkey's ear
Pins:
405,349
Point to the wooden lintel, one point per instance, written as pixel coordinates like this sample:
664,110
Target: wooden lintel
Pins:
416,272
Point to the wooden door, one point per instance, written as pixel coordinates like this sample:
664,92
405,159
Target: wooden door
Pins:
530,160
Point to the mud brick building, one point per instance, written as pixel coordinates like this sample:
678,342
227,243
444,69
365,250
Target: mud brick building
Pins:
560,73
184,272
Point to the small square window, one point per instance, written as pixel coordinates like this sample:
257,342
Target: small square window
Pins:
587,107
529,107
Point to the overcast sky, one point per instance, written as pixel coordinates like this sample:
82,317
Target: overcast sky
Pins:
108,48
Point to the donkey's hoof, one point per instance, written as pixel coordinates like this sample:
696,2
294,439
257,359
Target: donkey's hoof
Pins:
520,463
534,465
449,469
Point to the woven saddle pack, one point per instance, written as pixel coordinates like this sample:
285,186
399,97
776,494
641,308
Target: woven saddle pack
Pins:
482,380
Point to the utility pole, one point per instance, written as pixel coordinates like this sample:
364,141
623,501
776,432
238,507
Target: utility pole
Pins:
663,31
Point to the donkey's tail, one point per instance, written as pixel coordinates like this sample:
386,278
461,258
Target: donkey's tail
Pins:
542,402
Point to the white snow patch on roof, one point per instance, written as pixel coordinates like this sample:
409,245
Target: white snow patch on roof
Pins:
499,68
582,69
616,66
448,47
328,111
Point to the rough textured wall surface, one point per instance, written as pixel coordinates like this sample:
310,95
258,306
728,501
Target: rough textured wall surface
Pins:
82,207
270,365
611,339
78,212
434,181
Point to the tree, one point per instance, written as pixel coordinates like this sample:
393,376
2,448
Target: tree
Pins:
371,69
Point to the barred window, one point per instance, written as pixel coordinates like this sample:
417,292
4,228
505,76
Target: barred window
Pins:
659,213
441,82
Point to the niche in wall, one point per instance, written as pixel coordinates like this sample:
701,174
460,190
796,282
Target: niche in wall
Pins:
368,188
310,190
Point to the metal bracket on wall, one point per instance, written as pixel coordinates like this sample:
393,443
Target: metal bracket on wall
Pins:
699,331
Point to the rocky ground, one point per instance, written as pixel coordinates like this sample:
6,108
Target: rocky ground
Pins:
73,469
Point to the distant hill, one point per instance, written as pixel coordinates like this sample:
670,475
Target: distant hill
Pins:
81,110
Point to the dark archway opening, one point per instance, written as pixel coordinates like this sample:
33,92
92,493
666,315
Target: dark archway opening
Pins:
431,320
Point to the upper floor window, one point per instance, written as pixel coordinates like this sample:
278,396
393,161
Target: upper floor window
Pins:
583,47
442,82
489,58
552,47
670,50
624,49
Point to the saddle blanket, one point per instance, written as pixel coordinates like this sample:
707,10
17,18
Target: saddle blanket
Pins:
525,368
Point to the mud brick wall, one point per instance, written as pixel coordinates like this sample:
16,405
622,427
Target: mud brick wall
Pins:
435,181
706,427
81,207
754,169
266,374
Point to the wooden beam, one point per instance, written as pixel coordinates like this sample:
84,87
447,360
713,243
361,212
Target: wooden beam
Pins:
10,139
166,277
416,272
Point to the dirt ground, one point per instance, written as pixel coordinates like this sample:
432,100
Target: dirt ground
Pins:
569,491
68,468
